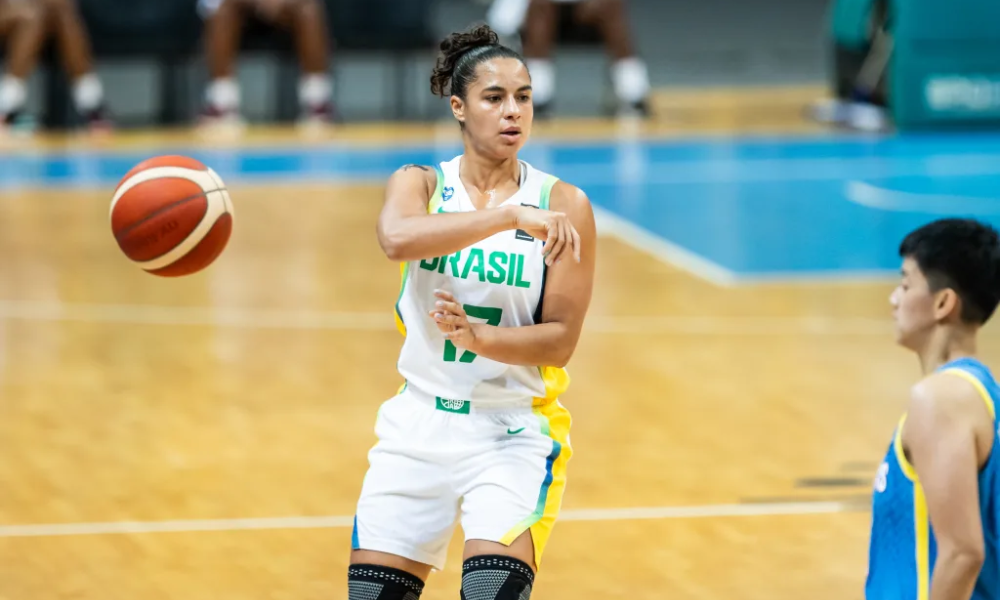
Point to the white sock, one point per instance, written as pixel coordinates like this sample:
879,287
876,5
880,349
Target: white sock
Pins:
631,79
88,93
13,94
543,79
315,89
224,94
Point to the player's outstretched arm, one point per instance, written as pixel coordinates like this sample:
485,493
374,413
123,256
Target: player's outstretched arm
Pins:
943,433
568,289
406,232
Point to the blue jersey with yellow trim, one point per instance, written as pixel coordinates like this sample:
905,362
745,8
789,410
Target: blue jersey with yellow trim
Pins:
903,550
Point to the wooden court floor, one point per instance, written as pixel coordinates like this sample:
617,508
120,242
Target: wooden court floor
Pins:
206,438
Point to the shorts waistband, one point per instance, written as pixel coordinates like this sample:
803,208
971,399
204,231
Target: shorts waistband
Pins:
466,407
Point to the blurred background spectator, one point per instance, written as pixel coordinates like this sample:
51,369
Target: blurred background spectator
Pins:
27,26
540,22
305,20
174,63
861,48
875,64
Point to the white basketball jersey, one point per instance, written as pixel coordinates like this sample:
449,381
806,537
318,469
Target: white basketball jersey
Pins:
500,281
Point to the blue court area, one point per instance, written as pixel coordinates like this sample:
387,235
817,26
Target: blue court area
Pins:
755,207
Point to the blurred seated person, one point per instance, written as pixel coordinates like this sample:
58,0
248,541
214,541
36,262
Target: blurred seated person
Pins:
26,26
305,19
539,20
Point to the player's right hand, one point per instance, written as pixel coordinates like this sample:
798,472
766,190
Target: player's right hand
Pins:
560,237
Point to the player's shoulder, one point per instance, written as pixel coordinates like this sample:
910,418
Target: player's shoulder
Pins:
413,169
563,196
412,174
945,393
568,198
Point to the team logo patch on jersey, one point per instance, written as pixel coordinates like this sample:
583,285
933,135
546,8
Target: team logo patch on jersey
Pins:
447,193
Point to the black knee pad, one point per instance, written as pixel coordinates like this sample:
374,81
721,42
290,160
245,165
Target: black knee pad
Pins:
496,577
372,582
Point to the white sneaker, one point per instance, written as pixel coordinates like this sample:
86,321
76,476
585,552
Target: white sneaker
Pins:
831,111
867,117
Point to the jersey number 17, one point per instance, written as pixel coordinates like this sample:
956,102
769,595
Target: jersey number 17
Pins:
489,314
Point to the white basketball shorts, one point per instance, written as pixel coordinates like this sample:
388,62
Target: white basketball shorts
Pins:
498,471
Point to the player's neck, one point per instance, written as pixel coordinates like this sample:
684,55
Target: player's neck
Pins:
488,173
945,345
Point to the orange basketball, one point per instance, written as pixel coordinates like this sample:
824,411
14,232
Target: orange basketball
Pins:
171,215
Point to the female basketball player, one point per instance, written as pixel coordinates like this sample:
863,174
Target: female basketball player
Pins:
497,277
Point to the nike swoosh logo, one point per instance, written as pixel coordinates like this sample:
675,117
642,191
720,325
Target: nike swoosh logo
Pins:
515,432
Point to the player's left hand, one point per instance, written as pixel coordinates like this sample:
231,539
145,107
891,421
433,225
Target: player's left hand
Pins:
451,320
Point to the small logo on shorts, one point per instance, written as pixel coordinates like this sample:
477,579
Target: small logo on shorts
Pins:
514,431
461,407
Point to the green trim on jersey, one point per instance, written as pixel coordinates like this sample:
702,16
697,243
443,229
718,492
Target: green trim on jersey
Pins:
543,202
433,205
405,272
437,198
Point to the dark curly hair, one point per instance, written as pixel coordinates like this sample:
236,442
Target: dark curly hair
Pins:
461,53
961,254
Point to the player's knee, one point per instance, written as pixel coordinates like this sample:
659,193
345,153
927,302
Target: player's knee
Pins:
312,8
614,9
592,13
299,10
375,582
56,5
22,14
496,577
542,8
57,11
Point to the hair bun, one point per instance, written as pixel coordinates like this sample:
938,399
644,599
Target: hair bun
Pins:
461,42
453,48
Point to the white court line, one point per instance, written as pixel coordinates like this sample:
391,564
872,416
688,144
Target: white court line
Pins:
882,198
243,318
673,254
344,521
660,248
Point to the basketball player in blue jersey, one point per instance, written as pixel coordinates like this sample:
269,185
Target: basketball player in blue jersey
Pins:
935,511
497,272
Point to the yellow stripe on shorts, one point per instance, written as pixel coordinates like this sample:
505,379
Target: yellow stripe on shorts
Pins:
555,422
